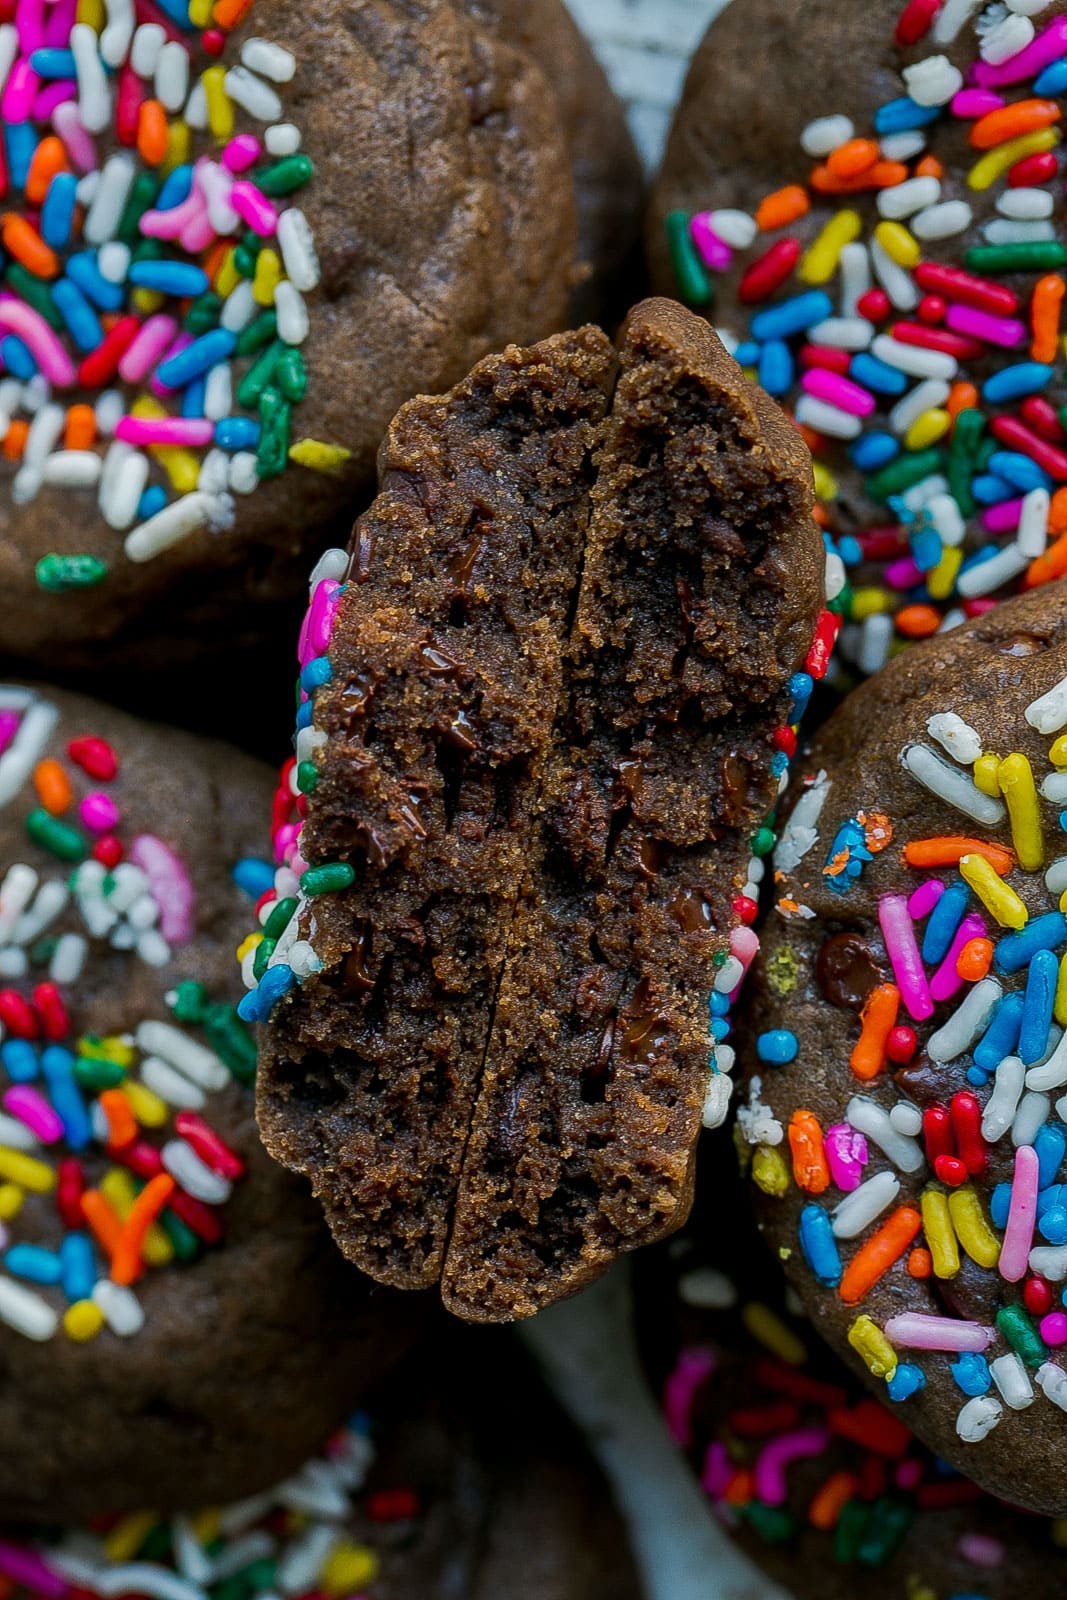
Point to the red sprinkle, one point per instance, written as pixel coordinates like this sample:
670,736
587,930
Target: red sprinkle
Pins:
915,20
758,1422
932,308
826,631
873,1478
901,1044
101,364
825,356
967,1126
1012,432
882,544
213,41
771,1374
141,1157
1042,417
212,1150
869,1424
1037,1297
950,1170
769,272
1032,171
108,850
70,1186
874,305
205,1223
960,345
94,756
785,739
52,1012
955,284
128,105
946,1492
744,909
937,1132
393,1505
17,1016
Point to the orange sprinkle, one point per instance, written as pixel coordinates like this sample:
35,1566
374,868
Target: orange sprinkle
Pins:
1013,122
1045,305
1043,568
852,157
48,159
215,257
53,787
962,397
820,515
740,1489
126,1262
814,441
878,1019
974,960
152,132
121,1122
829,1501
883,175
784,206
15,439
920,1262
80,431
102,1220
918,622
810,1168
21,239
874,1258
946,850
228,13
929,167
1057,512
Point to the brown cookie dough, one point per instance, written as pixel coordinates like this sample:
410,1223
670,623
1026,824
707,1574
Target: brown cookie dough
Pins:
210,1359
433,173
543,732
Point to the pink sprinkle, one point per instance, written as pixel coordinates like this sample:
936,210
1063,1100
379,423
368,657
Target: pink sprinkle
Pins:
769,1472
285,838
78,142
1019,1230
182,342
169,224
898,932
744,947
52,95
146,349
32,1109
1006,332
30,25
1053,1328
1003,517
908,1474
917,1331
1039,53
241,153
171,887
62,15
320,619
903,574
718,1471
838,391
846,1156
99,812
27,1568
47,350
191,431
981,1549
946,981
253,207
693,1369
974,103
711,249
9,726
198,233
925,898
22,85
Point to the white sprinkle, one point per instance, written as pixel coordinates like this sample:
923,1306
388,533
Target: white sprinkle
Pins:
932,81
9,49
834,575
303,960
716,1100
52,898
1054,787
194,1175
860,1208
195,1060
14,963
1025,205
951,785
1056,877
269,60
113,191
1052,1381
1052,1072
824,134
121,1308
172,75
297,244
72,469
214,472
303,1561
1002,1104
1049,1261
942,221
827,418
235,1557
1032,536
955,736
902,146
15,1135
109,407
196,107
967,1022
913,359
168,527
843,333
113,260
1049,712
244,473
866,1116
190,1557
978,1418
116,37
68,959
707,1288
26,748
129,884
333,563
1030,1118
728,976
16,892
1027,8
876,636
1006,39
253,95
94,97
854,268
87,187
218,392
985,576
27,1313
216,184
924,397
951,18
45,430
1012,1381
152,948
282,139
133,1577
1004,231
171,1085
293,323
148,41
896,280
239,308
908,197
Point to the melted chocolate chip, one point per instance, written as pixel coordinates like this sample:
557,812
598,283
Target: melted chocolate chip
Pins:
356,968
846,971
692,911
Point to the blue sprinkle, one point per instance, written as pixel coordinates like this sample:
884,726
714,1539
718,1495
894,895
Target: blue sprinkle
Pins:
175,190
791,316
1000,1204
1049,1198
907,1380
874,450
318,671
179,278
901,116
254,876
989,490
17,358
305,715
779,763
198,357
718,1004
819,1245
21,143
1002,1034
849,550
1053,81
971,1372
237,433
977,1078
747,353
1037,1006
177,11
776,367
945,918
78,1264
720,1029
57,1064
257,1004
78,314
1018,470
34,1262
925,548
57,213
1016,950
800,687
151,502
1011,383
1050,1144
53,63
1053,1225
778,1045
193,398
878,375
83,270
19,1060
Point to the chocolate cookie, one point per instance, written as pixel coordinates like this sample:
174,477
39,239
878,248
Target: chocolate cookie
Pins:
545,706
235,245
823,1487
863,200
478,1487
175,1323
904,1106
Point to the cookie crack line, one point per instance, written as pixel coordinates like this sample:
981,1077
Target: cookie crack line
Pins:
510,882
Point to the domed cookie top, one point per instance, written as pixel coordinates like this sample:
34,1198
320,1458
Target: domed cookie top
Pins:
237,236
866,199
906,1101
166,1292
545,707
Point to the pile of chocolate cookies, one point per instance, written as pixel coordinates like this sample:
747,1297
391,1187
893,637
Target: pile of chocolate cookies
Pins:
681,698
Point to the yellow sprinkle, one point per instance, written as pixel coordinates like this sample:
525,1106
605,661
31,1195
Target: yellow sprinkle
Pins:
918,1590
769,1171
942,578
148,1108
751,373
319,457
1059,1004
219,104
1016,780
927,429
826,484
937,1226
200,12
82,1321
26,1171
92,13
227,277
111,1048
1000,901
985,775
972,1229
348,1568
868,1341
1058,754
268,275
1059,1532
769,1330
181,466
870,602
899,245
206,1525
120,1191
11,1198
126,1537
819,262
148,301
248,944
179,146
985,172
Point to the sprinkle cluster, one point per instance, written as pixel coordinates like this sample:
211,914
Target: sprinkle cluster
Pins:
155,266
916,337
103,1140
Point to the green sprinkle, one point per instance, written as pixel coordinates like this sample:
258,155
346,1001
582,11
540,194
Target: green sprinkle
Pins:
156,1545
61,574
258,376
290,374
774,1524
887,1528
58,838
1020,1333
762,841
189,998
1043,255
257,334
966,436
264,950
274,422
292,172
185,1242
93,1073
232,1040
203,314
148,250
849,1530
307,776
42,952
694,283
903,473
141,199
328,878
244,261
279,918
35,293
